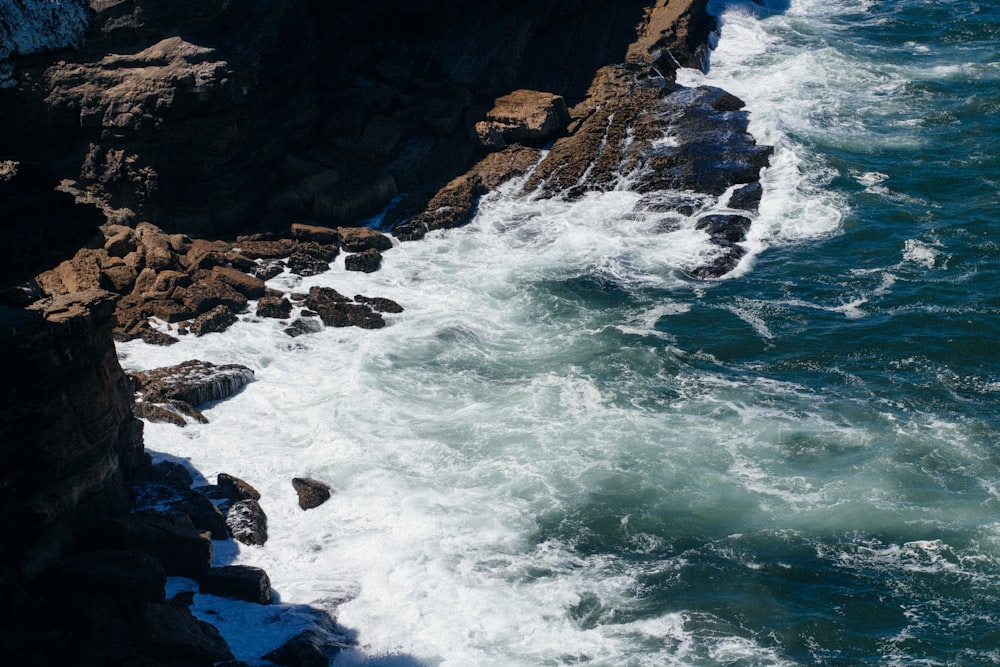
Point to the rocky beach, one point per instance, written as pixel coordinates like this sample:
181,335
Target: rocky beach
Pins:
161,162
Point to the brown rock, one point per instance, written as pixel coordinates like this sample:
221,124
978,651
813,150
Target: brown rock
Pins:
216,320
118,278
277,307
264,249
207,294
82,272
121,242
336,310
358,239
367,261
235,489
314,233
312,493
523,115
379,304
311,258
248,286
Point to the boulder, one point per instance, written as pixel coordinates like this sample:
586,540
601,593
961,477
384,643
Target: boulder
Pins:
205,295
248,286
358,239
731,228
523,115
194,382
240,582
121,241
311,258
277,307
367,261
303,325
216,320
247,522
312,493
747,197
235,489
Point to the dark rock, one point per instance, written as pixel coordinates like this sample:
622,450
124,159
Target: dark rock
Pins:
235,489
731,228
267,249
277,307
124,575
268,270
311,258
174,633
247,285
303,326
241,582
379,304
336,310
307,649
216,320
747,197
727,256
203,514
247,522
312,493
367,261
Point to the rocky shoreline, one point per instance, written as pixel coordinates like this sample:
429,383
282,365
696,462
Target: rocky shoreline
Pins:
159,174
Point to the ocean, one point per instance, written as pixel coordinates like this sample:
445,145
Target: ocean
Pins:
567,451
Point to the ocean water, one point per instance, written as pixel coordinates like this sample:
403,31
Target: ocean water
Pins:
567,452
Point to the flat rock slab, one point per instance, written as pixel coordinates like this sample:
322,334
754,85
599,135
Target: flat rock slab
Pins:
178,390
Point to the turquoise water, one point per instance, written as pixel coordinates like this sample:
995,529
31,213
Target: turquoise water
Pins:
567,452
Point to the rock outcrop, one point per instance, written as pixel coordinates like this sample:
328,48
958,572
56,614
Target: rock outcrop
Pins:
172,393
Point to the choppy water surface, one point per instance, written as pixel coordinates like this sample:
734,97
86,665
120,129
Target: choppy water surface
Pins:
566,452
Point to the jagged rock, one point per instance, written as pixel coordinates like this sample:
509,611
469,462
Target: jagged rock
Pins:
241,582
336,310
277,307
359,239
314,233
173,632
247,522
312,493
731,228
454,204
303,325
311,258
267,249
218,319
366,261
747,197
379,304
195,382
523,115
306,649
120,241
82,272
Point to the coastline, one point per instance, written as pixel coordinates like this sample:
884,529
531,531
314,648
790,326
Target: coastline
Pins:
159,272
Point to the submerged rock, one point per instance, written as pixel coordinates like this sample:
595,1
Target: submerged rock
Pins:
247,522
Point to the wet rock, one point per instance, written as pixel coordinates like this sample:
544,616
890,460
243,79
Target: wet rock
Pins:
312,493
303,325
336,310
727,255
240,582
311,258
206,294
367,261
195,382
216,320
247,522
731,228
747,197
379,304
277,307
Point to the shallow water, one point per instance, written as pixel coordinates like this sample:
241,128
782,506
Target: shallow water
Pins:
567,452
